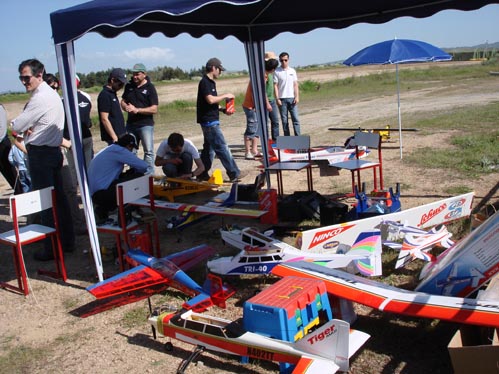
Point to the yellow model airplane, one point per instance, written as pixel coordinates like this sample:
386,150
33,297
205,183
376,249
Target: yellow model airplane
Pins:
172,187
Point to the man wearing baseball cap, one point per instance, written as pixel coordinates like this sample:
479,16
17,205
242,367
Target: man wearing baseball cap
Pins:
112,122
106,171
140,101
207,110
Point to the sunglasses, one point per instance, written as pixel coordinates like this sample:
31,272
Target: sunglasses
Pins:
25,78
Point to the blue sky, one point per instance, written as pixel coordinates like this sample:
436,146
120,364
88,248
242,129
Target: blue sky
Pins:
26,32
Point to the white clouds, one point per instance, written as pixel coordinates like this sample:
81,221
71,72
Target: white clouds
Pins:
150,54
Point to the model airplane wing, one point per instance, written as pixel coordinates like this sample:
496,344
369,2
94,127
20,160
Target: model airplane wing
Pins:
391,299
206,209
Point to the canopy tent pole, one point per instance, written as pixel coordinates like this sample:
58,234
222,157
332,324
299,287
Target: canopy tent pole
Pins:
66,65
255,58
398,108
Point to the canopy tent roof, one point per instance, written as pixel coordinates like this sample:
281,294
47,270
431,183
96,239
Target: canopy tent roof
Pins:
247,20
250,21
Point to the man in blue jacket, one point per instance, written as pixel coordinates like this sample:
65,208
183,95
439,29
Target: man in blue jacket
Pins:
106,171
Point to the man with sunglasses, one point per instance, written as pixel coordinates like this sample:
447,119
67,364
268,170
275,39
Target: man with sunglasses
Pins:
287,94
207,110
112,122
140,101
42,122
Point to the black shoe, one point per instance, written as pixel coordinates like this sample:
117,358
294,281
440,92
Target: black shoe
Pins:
204,176
43,255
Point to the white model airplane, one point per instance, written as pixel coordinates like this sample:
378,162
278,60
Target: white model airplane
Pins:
417,244
396,300
260,253
332,155
421,217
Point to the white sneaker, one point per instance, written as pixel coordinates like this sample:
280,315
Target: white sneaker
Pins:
249,156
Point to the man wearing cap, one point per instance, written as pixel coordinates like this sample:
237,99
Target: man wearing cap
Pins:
112,122
106,171
270,61
42,123
140,101
207,110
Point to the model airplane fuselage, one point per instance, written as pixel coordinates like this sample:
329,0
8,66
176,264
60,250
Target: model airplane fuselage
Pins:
216,334
260,253
289,322
331,154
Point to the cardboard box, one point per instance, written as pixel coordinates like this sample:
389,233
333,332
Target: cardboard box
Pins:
468,358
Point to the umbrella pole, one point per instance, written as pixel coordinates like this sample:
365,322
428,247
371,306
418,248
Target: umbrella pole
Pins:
398,105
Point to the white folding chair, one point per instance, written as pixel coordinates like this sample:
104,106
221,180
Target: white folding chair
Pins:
127,192
24,205
298,144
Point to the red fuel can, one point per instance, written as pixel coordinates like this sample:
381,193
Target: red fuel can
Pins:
229,106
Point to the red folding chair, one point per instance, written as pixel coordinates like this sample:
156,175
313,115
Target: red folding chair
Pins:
24,205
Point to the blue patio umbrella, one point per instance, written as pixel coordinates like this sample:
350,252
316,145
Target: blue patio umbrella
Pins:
398,51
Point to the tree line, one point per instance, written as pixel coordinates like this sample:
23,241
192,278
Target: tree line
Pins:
157,74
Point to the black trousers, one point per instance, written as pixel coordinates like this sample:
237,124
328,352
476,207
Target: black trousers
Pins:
106,199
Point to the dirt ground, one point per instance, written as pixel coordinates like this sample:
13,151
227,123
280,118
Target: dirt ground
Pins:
42,332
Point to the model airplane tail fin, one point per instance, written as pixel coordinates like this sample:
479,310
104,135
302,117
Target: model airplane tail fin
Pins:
333,341
368,244
218,292
232,198
213,293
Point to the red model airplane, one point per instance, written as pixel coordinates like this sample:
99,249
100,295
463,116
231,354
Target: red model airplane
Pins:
153,275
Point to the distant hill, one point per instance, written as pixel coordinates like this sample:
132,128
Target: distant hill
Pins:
479,47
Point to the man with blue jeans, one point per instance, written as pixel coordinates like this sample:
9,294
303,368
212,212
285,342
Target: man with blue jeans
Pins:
140,100
207,111
287,94
42,122
271,60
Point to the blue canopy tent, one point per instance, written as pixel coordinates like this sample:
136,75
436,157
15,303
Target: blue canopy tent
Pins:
251,21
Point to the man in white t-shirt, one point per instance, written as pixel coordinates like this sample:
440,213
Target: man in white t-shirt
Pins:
176,154
287,94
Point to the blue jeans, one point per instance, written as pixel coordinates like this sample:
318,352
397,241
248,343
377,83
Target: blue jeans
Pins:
45,164
214,143
251,123
274,120
288,106
145,135
174,171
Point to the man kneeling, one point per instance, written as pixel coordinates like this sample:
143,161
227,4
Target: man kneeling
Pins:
176,154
